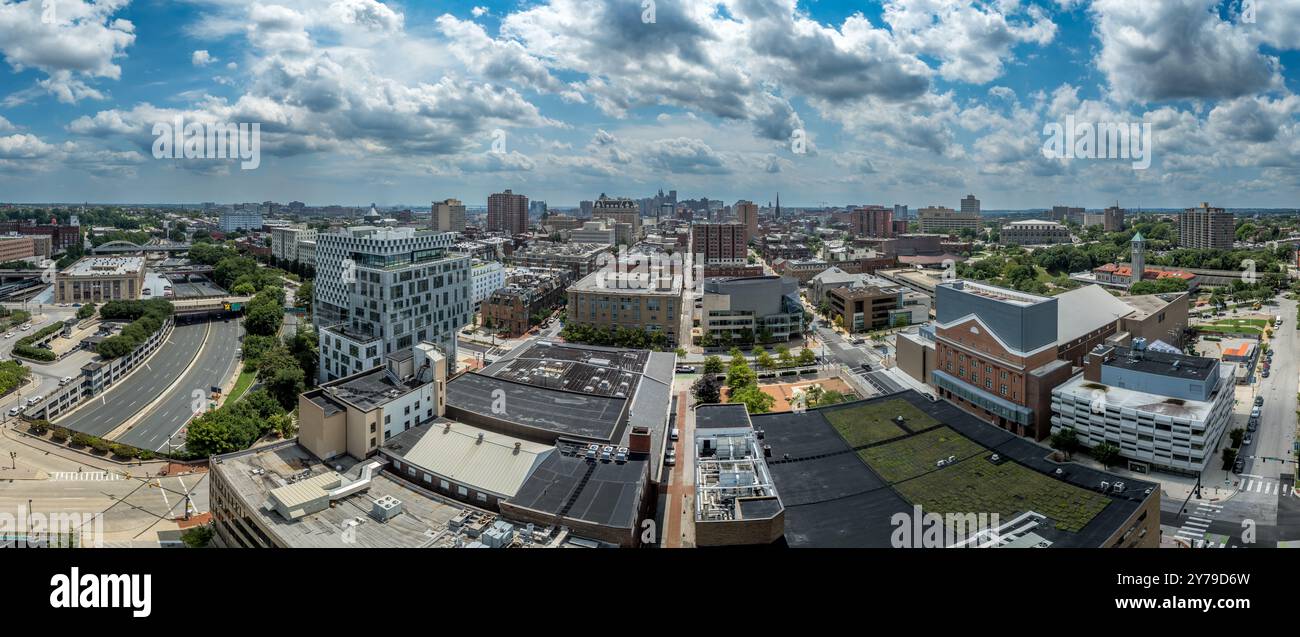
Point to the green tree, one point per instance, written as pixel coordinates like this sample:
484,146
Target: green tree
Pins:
1065,440
713,365
706,389
1105,453
756,401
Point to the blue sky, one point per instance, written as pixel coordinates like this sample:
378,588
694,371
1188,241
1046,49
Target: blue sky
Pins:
903,101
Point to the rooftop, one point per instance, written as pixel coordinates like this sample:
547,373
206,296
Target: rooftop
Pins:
489,461
1005,295
1085,309
366,391
1121,398
254,474
843,471
1196,368
105,266
568,485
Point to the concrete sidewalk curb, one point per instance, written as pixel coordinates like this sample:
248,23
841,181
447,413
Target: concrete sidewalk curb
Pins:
57,449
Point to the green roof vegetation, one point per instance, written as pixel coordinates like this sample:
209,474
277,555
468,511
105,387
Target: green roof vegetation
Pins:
865,424
916,455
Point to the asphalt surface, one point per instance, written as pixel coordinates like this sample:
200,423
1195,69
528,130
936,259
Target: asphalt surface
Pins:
112,408
215,364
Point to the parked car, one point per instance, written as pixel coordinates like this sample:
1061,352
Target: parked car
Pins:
858,341
9,335
1245,442
673,435
671,458
64,381
1259,400
1265,374
35,399
1239,466
14,411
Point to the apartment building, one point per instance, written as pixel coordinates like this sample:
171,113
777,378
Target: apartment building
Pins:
447,215
488,276
1204,227
580,259
383,290
285,240
721,243
509,310
507,212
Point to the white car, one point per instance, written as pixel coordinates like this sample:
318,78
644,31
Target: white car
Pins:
35,399
9,335
65,380
15,411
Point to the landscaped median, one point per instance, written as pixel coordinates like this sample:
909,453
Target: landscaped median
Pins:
88,443
24,348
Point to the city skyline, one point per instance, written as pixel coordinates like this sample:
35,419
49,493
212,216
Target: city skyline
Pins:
837,102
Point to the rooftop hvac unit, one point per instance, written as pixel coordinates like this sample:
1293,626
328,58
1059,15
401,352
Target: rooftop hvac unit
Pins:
386,508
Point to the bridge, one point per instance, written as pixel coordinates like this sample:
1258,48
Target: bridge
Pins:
230,303
18,275
127,247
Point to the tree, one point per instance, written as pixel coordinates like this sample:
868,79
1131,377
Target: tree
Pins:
807,357
1229,458
756,401
244,289
1105,453
1065,440
302,298
706,389
764,359
285,385
713,365
265,313
740,375
198,537
86,311
1238,435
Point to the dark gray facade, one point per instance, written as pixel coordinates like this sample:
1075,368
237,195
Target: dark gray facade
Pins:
1022,326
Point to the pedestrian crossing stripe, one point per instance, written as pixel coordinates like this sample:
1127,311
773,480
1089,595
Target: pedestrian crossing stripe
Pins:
92,476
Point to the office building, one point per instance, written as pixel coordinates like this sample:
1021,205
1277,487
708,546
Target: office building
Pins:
356,414
307,253
508,213
1114,219
601,231
1161,410
1033,232
1067,213
867,307
100,279
760,308
940,219
624,213
246,218
615,298
900,212
61,237
16,247
970,205
383,290
1207,228
447,215
720,243
285,240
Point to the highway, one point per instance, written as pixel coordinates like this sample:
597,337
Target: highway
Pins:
216,363
106,412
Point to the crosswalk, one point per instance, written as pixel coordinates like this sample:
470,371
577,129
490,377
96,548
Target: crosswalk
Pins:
93,476
1198,522
1267,487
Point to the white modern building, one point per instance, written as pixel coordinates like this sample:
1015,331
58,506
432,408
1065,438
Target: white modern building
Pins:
1163,411
307,252
284,241
1033,232
599,231
488,276
383,290
247,218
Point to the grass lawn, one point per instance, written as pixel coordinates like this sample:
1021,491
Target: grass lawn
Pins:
865,424
1008,489
910,457
1228,329
1242,322
246,379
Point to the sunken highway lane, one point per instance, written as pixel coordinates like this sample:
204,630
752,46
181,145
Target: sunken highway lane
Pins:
107,411
215,364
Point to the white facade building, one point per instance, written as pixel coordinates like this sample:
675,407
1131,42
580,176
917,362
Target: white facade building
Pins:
489,276
384,290
244,219
284,241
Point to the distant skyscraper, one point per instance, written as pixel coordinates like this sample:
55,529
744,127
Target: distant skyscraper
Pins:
778,206
970,205
507,212
585,207
1204,227
448,216
900,211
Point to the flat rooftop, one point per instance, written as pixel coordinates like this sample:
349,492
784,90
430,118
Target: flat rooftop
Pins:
844,471
105,266
366,391
253,475
568,485
1145,305
560,412
1005,295
1196,368
1122,398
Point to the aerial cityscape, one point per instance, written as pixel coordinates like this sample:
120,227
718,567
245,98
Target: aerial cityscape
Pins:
649,274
